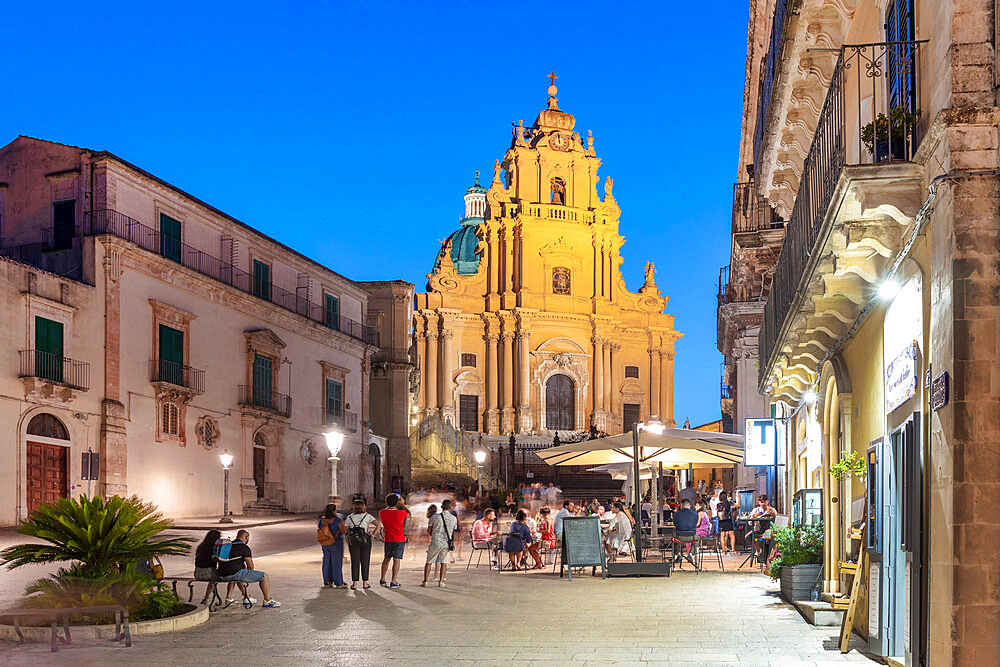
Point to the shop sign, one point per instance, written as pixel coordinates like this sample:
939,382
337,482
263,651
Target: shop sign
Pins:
760,442
939,392
901,378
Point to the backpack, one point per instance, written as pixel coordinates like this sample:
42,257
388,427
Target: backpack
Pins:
324,534
357,536
222,549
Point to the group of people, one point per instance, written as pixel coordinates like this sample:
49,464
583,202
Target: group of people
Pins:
527,535
218,559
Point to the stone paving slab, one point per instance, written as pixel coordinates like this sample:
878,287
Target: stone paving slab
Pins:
484,618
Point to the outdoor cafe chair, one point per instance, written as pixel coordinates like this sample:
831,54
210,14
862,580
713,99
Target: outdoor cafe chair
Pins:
678,556
710,543
479,547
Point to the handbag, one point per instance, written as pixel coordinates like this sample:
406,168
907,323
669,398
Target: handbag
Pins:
157,568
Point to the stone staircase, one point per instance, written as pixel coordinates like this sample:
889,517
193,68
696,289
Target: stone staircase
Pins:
264,508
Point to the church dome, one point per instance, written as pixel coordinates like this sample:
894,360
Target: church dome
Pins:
464,241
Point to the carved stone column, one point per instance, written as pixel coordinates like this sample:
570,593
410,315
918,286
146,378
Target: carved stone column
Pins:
654,381
667,396
446,394
614,382
606,352
420,339
598,374
524,382
431,370
492,383
507,413
113,443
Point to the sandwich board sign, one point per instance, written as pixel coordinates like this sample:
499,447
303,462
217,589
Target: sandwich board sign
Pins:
582,545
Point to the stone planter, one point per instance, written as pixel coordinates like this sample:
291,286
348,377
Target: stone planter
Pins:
189,619
797,581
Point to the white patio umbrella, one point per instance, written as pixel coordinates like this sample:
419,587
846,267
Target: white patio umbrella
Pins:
674,448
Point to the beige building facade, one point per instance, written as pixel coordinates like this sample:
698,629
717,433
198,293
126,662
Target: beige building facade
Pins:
527,324
872,128
149,328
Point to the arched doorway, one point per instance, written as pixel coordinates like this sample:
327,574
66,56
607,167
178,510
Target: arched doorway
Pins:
560,403
376,463
48,466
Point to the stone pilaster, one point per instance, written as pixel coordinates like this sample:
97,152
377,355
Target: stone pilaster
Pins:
446,394
492,414
113,444
431,368
654,381
523,380
507,412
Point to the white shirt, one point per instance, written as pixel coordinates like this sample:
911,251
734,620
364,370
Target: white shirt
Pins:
533,528
714,505
363,520
647,508
438,537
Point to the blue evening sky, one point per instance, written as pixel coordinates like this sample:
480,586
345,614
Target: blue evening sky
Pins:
349,131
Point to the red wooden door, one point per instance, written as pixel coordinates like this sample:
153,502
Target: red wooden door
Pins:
47,474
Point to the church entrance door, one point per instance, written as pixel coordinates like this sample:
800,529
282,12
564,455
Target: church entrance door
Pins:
560,403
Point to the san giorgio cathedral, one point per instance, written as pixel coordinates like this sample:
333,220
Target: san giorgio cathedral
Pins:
527,325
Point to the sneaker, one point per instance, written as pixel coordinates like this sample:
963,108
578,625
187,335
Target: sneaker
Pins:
271,603
423,584
395,585
381,582
250,600
441,584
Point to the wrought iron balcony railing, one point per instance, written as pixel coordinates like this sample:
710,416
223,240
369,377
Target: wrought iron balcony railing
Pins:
726,391
346,421
55,368
751,212
108,221
730,292
256,397
177,374
871,115
771,64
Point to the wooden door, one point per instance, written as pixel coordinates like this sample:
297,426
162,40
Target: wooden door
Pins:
560,403
259,469
46,473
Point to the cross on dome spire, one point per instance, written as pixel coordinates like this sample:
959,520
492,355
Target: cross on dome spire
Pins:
552,91
552,76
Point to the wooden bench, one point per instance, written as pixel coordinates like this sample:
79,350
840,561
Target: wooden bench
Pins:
55,616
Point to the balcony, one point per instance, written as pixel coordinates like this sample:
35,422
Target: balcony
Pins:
270,401
178,376
112,222
755,222
50,375
346,422
858,192
766,92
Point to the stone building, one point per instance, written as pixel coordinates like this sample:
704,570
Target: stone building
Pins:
147,327
526,324
872,128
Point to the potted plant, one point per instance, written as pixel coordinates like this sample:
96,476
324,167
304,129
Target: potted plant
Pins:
851,464
799,561
886,136
102,541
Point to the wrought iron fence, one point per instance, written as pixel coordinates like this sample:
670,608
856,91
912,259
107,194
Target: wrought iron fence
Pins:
730,292
871,115
55,368
108,221
268,400
751,212
180,375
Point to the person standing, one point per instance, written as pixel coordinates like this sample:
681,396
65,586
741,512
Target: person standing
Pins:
393,519
726,527
441,528
713,506
689,494
330,533
360,527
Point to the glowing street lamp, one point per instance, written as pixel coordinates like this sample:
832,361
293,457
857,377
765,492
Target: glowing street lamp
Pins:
227,461
334,442
480,457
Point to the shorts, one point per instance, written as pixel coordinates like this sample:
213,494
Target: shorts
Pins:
246,576
395,549
437,554
205,573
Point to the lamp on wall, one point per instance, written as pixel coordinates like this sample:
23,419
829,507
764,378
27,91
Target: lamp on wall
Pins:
227,461
334,442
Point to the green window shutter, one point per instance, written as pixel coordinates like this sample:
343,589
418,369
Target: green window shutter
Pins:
170,237
48,349
261,280
171,362
331,309
334,399
262,380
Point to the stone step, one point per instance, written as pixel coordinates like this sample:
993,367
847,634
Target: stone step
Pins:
820,612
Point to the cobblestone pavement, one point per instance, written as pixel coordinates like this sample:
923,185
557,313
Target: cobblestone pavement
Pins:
486,618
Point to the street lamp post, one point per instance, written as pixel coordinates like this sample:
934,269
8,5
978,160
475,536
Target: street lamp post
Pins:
654,425
334,442
227,460
480,457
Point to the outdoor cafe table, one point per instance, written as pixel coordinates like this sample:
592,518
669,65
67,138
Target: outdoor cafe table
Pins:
753,558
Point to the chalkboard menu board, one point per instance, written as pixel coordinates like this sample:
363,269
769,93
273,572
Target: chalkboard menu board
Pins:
582,544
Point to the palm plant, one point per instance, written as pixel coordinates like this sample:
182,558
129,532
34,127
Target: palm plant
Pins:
144,597
99,534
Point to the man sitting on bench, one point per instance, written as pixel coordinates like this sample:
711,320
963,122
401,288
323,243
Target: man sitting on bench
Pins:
236,566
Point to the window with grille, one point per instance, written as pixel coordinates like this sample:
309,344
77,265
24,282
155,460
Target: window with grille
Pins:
468,359
171,419
632,371
468,412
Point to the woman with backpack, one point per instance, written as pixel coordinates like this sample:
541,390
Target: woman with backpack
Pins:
330,534
360,526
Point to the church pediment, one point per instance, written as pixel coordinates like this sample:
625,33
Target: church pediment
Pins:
561,344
